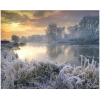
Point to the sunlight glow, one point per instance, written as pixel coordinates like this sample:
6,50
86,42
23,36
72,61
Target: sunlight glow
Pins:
15,24
28,52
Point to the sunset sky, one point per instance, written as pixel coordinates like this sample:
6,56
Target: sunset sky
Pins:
31,22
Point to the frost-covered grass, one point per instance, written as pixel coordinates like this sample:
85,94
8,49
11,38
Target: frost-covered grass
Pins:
44,74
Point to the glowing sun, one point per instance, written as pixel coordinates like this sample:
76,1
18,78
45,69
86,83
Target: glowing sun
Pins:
15,24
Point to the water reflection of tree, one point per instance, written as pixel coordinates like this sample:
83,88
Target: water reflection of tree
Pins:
54,51
86,51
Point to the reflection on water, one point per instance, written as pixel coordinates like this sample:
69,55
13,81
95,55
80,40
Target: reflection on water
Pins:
61,53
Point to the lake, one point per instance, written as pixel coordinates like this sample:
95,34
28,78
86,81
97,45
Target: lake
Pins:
58,53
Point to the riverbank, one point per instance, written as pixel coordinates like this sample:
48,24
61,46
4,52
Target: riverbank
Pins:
11,45
45,74
66,42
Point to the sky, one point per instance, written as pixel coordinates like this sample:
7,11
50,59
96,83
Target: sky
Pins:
33,22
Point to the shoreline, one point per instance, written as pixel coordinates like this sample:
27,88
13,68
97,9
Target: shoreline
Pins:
18,74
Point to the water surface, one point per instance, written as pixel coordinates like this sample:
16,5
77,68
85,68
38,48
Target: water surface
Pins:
58,53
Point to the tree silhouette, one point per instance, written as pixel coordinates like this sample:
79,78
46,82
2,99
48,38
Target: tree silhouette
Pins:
15,38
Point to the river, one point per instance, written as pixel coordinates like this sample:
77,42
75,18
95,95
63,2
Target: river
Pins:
58,53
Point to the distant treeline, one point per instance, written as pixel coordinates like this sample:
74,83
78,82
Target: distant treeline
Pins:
5,41
87,31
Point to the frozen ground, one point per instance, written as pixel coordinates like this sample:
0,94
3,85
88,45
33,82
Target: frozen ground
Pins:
44,74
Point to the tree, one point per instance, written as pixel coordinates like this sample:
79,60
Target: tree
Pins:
87,30
53,32
15,38
23,39
52,28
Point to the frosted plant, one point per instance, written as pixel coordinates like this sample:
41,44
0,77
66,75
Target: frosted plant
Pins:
66,79
35,74
79,76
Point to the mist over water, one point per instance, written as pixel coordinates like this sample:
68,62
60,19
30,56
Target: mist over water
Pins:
58,53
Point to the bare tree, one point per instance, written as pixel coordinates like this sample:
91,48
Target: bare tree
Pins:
15,38
53,32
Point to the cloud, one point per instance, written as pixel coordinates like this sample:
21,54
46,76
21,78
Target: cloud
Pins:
42,18
9,17
60,18
42,13
26,18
